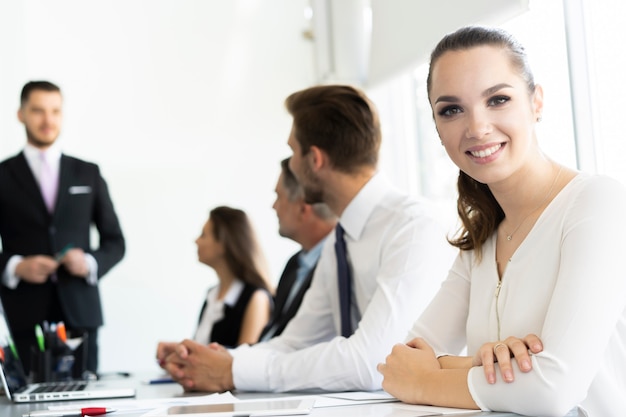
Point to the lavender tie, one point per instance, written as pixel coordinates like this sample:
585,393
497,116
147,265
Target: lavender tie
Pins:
48,182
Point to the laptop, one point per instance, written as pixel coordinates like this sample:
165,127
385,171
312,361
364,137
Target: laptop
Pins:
18,390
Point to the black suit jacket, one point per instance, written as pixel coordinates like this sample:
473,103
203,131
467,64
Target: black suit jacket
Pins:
26,228
280,315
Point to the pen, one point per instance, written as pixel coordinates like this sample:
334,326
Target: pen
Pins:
164,380
39,336
12,346
61,331
89,411
62,252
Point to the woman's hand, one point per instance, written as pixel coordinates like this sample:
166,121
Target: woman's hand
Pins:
502,352
407,369
164,349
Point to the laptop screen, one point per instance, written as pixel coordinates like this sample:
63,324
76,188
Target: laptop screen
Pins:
12,369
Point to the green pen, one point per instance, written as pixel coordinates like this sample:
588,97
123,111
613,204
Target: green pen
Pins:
62,252
12,346
39,336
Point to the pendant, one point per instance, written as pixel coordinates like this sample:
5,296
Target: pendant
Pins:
509,237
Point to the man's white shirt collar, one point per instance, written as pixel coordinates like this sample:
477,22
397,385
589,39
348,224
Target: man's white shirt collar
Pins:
357,213
33,158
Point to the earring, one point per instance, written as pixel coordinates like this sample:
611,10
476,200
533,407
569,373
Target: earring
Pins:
539,119
441,142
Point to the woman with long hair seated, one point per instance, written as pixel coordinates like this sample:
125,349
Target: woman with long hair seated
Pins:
236,309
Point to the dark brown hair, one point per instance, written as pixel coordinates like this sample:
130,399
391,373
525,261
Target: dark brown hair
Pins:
478,209
243,254
341,121
31,86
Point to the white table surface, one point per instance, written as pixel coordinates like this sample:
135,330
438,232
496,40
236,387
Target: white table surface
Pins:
172,390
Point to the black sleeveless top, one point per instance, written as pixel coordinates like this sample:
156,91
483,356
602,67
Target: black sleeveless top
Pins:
226,331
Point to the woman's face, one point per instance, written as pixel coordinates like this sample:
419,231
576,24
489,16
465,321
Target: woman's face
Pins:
483,111
209,249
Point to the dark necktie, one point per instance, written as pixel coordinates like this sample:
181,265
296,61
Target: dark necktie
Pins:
268,333
345,282
301,274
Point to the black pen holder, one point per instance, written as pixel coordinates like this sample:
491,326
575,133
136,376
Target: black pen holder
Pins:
59,362
40,365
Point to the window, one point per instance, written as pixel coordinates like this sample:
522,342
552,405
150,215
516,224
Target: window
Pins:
412,154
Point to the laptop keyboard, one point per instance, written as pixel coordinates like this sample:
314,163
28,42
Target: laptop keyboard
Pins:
60,386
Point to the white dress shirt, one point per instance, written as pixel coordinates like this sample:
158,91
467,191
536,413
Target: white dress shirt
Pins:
33,158
399,256
565,283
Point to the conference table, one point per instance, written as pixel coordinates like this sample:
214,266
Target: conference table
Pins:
150,392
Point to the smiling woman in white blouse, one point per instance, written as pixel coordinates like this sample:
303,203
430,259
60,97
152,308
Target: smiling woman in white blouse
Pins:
537,294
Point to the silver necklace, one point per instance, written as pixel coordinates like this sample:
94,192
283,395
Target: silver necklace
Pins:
509,236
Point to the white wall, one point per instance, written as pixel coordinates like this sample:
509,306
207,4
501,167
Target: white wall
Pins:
181,104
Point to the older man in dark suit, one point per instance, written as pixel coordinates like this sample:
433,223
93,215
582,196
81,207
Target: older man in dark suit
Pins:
48,204
308,225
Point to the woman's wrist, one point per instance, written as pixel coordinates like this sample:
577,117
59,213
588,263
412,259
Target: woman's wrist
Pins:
447,388
455,362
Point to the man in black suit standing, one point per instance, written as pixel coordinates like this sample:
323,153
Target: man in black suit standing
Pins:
308,225
48,204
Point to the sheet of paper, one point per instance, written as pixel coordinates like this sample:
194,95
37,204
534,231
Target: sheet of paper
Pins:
446,411
141,406
362,396
338,399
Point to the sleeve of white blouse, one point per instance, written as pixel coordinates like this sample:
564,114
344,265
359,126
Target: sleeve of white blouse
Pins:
442,324
588,300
